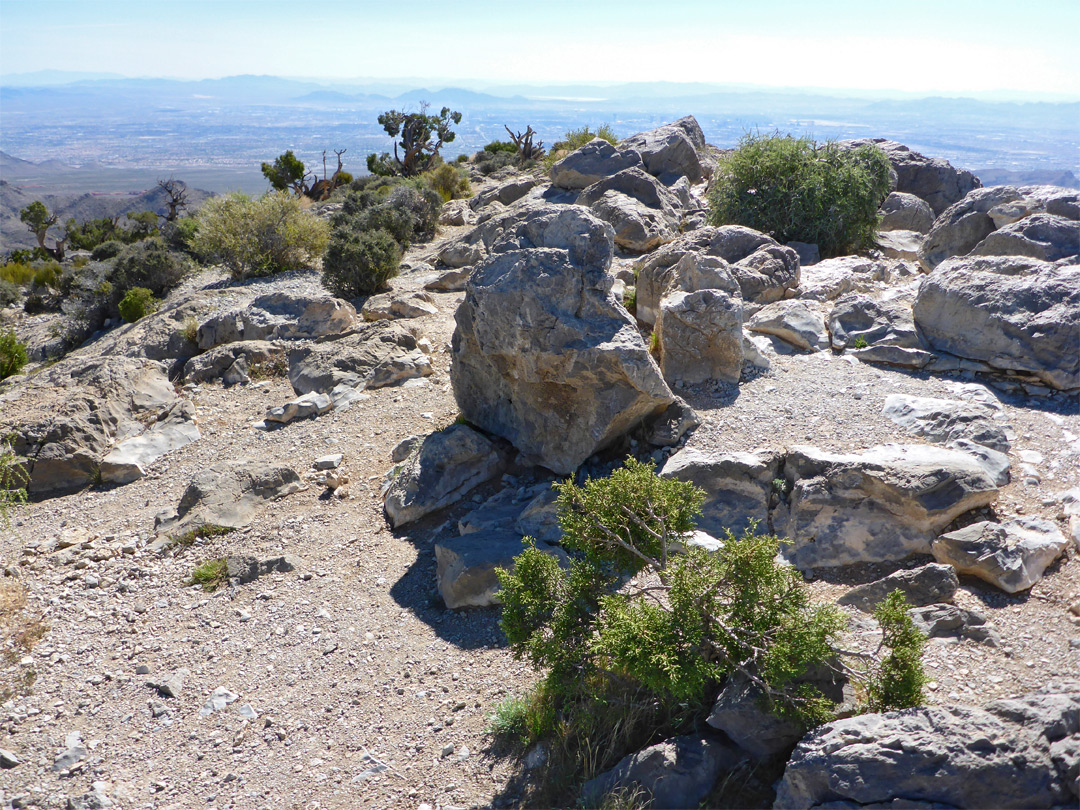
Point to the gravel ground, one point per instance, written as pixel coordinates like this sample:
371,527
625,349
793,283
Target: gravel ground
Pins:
355,686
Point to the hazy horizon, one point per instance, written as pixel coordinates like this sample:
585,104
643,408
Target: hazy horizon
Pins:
983,49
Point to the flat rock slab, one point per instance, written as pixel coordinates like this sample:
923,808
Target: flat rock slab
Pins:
925,585
950,621
1011,556
128,461
465,572
944,421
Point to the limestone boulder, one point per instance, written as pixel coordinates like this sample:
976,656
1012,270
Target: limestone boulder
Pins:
966,223
737,486
863,319
945,421
906,212
928,584
305,406
506,193
444,468
232,362
764,269
642,212
1011,556
279,316
672,151
1012,313
904,245
950,621
885,503
389,306
691,272
700,336
591,163
830,279
466,565
1040,236
127,461
796,322
544,355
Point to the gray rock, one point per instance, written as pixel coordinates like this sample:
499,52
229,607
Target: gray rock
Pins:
128,460
450,280
675,774
667,429
218,361
592,162
245,569
700,336
329,462
829,279
932,179
906,212
672,151
500,512
878,323
74,753
893,356
763,269
96,799
1011,556
964,225
447,466
303,407
375,356
465,566
900,244
456,212
218,700
951,755
8,759
229,494
545,356
403,449
1013,313
926,585
945,421
388,306
996,463
950,621
808,253
642,212
886,503
506,193
540,518
1040,236
279,316
795,322
173,685
737,486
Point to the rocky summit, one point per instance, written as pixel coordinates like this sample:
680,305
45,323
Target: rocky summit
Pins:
258,564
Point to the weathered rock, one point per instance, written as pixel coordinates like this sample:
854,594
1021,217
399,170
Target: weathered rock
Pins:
592,162
675,774
74,753
944,421
229,494
244,569
384,353
950,755
466,565
544,355
1011,556
795,322
893,356
500,512
737,486
445,467
906,212
642,212
926,585
900,244
506,193
450,280
1013,313
964,225
238,357
79,409
883,504
672,151
808,253
829,279
1040,236
388,306
996,463
700,336
877,323
8,759
932,179
764,270
218,700
303,407
540,518
667,429
949,621
456,212
127,461
161,335
172,685
279,316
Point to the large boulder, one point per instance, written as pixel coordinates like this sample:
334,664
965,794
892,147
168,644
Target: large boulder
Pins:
828,280
591,163
66,418
931,179
1012,313
505,193
876,322
444,468
906,212
928,584
543,353
672,151
232,362
1007,755
1040,236
466,566
962,226
642,212
1011,556
737,486
764,269
796,322
279,316
700,336
885,503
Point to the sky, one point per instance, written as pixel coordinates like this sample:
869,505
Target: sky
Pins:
945,46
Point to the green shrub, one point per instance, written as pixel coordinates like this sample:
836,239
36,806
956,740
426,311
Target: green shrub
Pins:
12,354
463,158
17,273
449,182
48,275
795,189
501,146
148,264
107,250
180,233
258,237
577,138
897,681
211,574
9,293
491,162
13,476
137,303
360,262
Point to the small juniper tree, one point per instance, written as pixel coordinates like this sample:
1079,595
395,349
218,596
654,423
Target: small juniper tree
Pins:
421,137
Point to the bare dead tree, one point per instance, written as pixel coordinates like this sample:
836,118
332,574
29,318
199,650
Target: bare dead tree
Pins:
524,143
177,193
322,189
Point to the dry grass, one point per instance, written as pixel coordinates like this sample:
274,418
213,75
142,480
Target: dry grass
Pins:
20,630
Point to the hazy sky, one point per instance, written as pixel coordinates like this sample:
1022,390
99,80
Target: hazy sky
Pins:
941,46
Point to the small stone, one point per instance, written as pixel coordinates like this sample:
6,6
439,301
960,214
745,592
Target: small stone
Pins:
218,700
8,759
142,669
447,750
331,462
